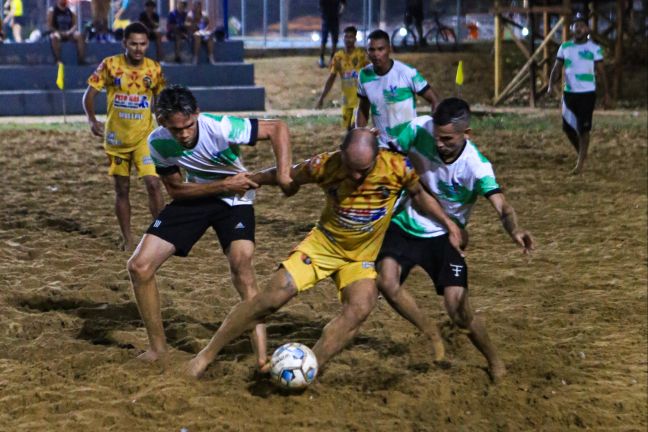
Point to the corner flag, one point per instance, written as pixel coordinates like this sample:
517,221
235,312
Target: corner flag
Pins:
60,76
459,78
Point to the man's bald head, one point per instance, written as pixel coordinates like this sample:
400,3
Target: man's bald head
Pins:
359,151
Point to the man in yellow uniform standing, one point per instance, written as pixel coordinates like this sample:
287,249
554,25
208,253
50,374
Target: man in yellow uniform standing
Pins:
132,81
347,63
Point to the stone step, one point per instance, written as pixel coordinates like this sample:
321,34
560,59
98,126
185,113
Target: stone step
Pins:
203,75
41,53
50,102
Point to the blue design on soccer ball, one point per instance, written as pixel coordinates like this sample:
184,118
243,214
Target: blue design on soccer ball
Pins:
298,354
287,375
310,374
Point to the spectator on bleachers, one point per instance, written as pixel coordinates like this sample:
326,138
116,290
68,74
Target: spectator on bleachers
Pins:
151,20
177,29
14,18
100,11
199,26
61,23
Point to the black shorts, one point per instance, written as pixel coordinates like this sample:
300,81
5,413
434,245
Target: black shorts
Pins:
414,14
577,111
183,222
330,25
435,255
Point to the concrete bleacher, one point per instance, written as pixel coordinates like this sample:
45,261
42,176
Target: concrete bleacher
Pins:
28,75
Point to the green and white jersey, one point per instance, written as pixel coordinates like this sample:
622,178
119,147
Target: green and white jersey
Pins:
579,60
215,156
392,97
456,185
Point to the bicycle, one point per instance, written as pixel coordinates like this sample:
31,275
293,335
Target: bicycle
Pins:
440,35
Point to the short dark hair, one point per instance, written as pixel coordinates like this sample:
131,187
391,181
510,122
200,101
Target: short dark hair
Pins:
378,34
135,28
351,29
453,110
149,3
175,99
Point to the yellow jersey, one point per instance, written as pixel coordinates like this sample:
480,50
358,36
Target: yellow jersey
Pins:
348,67
356,217
130,92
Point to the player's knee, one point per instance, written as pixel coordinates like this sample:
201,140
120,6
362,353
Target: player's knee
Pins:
139,269
388,285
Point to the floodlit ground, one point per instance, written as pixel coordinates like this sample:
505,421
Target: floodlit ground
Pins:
570,321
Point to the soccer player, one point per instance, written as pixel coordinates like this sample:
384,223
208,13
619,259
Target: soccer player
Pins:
216,192
347,63
582,59
451,166
362,184
131,81
389,88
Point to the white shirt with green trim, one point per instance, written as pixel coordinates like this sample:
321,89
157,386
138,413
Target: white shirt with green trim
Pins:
392,97
456,185
215,156
579,60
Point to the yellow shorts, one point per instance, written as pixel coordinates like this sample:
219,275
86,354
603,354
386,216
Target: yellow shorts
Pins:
315,258
348,117
121,162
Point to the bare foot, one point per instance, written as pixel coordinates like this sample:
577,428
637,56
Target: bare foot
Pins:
577,170
439,350
263,365
128,245
497,371
196,367
151,356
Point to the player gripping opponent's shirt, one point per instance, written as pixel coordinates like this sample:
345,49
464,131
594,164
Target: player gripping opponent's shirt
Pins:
130,93
346,240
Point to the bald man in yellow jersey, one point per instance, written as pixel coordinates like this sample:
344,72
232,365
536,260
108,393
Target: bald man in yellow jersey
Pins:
131,81
347,63
362,185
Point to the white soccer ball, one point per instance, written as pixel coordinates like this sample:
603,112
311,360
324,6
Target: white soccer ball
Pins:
293,366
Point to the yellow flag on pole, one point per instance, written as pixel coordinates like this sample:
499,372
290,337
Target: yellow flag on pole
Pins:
60,77
459,78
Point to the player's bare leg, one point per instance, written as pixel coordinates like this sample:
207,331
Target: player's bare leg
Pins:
389,273
244,315
123,211
358,300
154,191
56,46
458,307
240,254
582,152
150,254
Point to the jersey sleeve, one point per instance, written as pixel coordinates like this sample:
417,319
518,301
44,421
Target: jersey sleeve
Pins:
362,92
316,167
239,130
403,170
561,52
417,82
98,79
163,166
598,53
485,182
415,131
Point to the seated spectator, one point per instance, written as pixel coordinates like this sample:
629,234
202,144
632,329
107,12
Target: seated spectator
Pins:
152,21
61,23
14,18
198,23
177,29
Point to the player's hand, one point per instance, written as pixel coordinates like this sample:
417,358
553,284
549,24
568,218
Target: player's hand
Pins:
97,128
456,239
288,186
240,183
525,240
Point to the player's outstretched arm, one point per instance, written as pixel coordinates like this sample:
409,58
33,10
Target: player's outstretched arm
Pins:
298,173
508,217
430,206
96,126
277,132
178,189
362,112
327,88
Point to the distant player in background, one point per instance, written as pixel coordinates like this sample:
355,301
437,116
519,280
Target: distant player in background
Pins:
331,11
215,192
414,15
582,59
453,169
387,89
347,63
362,185
132,82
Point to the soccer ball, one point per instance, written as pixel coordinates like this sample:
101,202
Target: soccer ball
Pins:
293,366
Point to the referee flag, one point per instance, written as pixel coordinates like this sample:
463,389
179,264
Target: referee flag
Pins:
459,78
60,77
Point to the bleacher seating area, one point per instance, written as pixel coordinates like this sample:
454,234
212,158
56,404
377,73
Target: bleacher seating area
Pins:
28,78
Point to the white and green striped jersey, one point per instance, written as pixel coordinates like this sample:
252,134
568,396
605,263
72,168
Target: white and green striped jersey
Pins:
456,185
392,97
215,156
579,60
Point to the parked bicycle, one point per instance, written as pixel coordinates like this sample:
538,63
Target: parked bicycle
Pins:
443,37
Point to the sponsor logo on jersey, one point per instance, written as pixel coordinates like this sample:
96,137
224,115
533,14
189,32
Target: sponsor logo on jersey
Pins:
359,219
148,82
130,101
118,82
